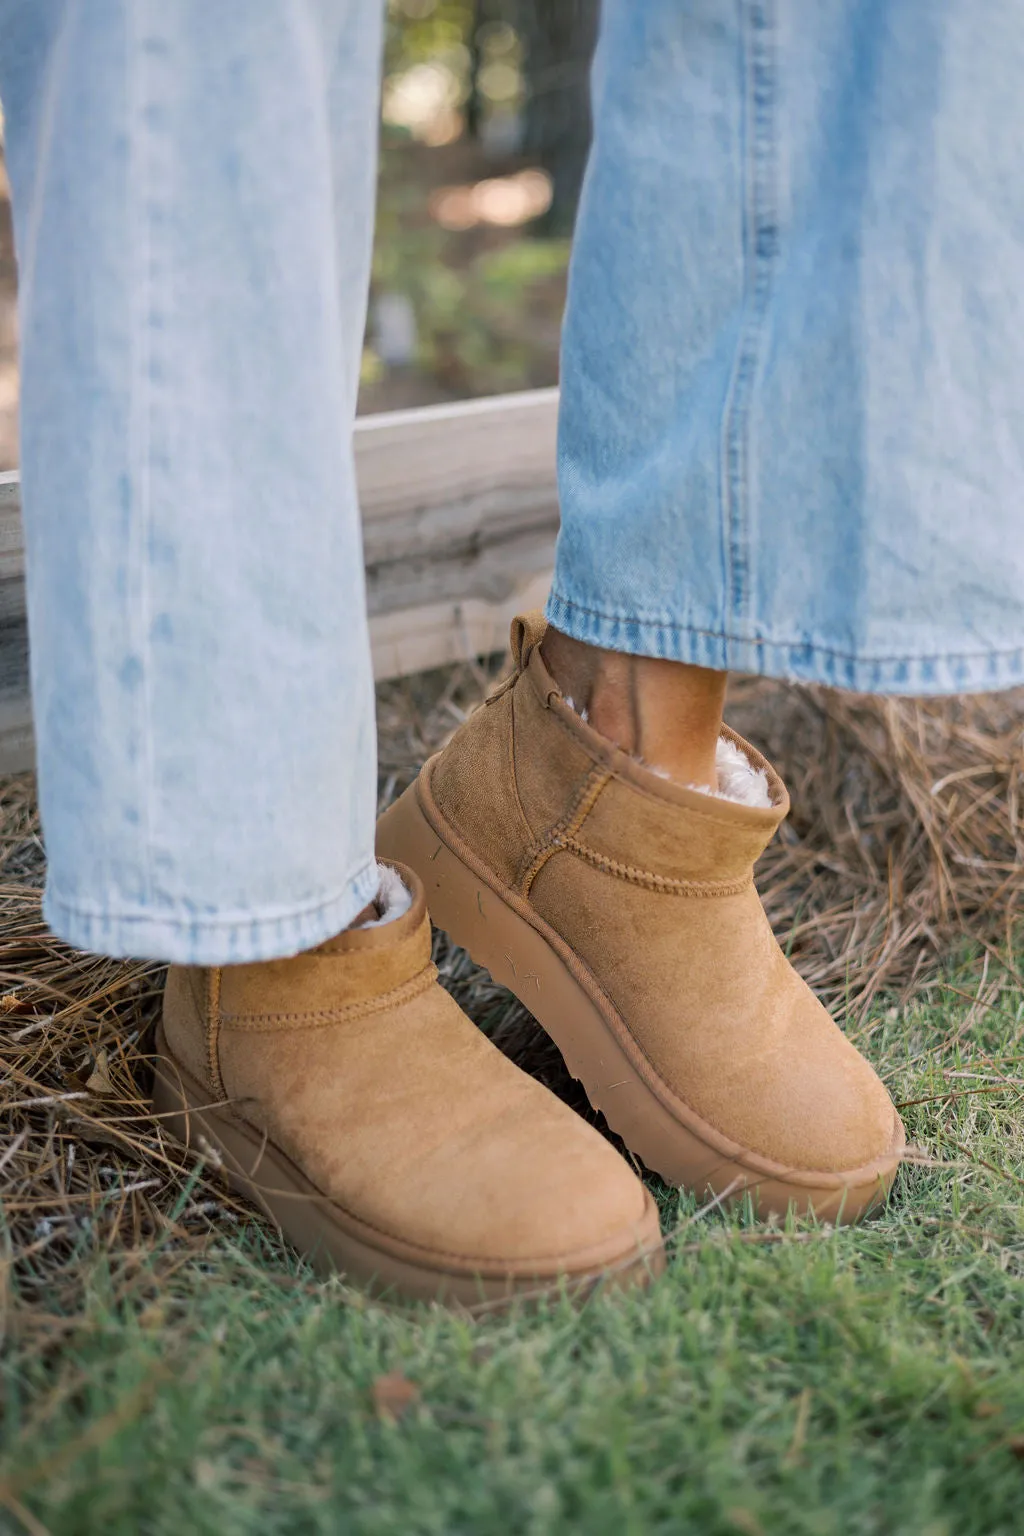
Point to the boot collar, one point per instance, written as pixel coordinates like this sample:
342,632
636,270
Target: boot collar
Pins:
528,632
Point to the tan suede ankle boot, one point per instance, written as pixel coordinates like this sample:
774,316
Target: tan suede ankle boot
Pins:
620,908
349,1096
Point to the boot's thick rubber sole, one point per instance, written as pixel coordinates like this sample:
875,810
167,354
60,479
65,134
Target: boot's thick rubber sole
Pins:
522,952
336,1240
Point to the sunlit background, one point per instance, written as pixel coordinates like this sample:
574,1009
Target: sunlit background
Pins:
485,126
484,138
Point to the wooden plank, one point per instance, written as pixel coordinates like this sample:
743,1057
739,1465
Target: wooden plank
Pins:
439,458
449,632
459,516
458,504
12,541
17,742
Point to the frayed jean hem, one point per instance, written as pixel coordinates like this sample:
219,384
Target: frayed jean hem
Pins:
793,661
209,939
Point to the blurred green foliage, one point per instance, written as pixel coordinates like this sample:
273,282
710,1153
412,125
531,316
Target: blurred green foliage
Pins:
486,320
418,30
487,303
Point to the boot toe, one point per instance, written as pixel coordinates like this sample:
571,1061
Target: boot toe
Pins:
833,1116
542,1193
812,1104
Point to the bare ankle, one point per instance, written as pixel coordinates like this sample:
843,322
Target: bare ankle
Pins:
666,713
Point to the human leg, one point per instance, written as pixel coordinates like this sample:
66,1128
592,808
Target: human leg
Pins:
816,444
619,906
790,444
791,440
193,192
664,713
191,309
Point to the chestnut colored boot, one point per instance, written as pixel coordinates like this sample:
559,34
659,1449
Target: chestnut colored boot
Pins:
348,1095
620,908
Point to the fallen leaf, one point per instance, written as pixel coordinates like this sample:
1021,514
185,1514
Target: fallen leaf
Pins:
986,1410
98,1081
796,1445
746,1521
1015,1445
92,1131
394,1395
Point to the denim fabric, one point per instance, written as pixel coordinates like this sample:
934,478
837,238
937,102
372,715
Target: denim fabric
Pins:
792,433
792,430
193,190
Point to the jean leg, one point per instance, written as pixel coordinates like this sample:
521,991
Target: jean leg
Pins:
792,430
193,194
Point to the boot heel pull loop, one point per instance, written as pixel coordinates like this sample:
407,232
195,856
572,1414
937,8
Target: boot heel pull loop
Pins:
525,635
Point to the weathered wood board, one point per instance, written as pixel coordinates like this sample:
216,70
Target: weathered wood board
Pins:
459,521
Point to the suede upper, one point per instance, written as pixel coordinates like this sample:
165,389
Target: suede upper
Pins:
650,885
361,1069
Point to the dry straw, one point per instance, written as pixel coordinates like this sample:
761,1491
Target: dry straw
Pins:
904,842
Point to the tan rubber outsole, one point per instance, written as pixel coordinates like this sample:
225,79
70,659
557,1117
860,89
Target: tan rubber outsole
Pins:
336,1241
522,952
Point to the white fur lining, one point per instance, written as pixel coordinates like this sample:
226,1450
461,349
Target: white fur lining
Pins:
738,779
393,897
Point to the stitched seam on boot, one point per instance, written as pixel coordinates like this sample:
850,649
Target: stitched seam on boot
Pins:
503,687
537,845
715,816
512,765
321,1018
213,1031
580,807
667,884
198,998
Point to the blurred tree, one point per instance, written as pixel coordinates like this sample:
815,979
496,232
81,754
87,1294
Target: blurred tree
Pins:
552,44
558,38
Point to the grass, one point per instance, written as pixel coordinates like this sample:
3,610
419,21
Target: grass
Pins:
795,1379
169,1368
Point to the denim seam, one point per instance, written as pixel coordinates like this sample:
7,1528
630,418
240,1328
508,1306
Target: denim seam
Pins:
311,51
141,184
652,621
27,256
760,246
214,941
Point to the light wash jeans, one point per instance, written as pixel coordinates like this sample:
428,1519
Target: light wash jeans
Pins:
792,435
193,185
